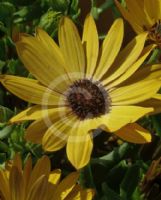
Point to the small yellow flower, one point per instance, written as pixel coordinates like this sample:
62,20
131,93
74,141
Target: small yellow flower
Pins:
144,15
18,183
81,86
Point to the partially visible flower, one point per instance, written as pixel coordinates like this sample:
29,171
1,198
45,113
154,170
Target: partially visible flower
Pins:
143,15
150,185
81,86
27,183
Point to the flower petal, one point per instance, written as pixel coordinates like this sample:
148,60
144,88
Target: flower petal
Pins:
56,136
71,46
122,115
66,186
154,102
35,113
27,173
52,142
141,17
30,90
39,60
153,8
110,48
145,73
134,133
131,70
4,185
130,18
42,167
135,93
39,189
54,176
37,129
78,194
80,145
16,184
91,44
126,58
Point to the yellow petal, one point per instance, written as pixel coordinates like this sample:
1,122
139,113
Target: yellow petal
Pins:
130,18
52,142
142,18
39,189
122,115
134,133
110,48
126,58
30,90
4,185
36,131
54,176
153,8
27,173
50,45
35,113
154,102
86,194
16,184
130,71
80,145
44,65
66,185
145,73
42,167
71,46
17,162
56,136
91,44
135,93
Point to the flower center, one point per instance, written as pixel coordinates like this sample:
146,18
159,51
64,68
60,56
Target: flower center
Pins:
155,32
88,99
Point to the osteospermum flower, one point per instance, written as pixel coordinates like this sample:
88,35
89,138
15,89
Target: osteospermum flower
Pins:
26,183
81,87
144,15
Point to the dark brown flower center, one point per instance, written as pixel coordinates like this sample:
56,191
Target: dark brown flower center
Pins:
88,99
155,32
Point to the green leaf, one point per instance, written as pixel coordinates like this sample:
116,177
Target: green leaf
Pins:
137,195
2,64
130,182
115,156
2,158
86,177
109,193
59,5
3,147
5,131
49,22
6,12
116,174
5,114
117,153
156,123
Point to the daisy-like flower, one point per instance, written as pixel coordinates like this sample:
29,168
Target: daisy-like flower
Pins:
81,87
25,183
143,15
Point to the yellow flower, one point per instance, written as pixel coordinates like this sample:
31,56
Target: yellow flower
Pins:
143,15
18,183
81,87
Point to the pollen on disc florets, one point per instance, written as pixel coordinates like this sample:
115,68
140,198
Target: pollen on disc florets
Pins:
88,99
